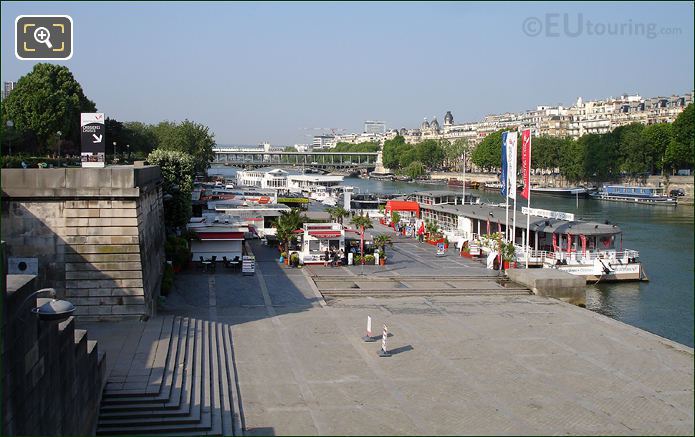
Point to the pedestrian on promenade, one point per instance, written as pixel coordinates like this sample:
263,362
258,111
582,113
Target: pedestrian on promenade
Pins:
326,258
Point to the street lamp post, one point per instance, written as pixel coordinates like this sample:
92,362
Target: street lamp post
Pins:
127,146
60,154
114,152
9,125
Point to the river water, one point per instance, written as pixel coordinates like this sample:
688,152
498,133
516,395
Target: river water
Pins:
662,235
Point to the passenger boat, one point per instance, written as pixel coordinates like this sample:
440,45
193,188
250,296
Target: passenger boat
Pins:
453,182
638,195
563,192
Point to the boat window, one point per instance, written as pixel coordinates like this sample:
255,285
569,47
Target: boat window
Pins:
314,246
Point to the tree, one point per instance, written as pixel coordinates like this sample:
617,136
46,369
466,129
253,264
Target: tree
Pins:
392,150
178,173
454,152
286,224
635,158
337,213
140,137
381,241
679,152
657,136
429,153
362,222
45,101
488,154
415,169
189,137
571,160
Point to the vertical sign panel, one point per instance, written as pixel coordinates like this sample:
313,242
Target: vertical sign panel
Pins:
93,139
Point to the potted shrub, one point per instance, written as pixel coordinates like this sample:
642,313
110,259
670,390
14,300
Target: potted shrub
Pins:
508,254
446,242
466,251
283,255
381,241
369,259
357,260
294,259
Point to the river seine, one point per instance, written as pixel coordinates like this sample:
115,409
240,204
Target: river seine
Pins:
663,236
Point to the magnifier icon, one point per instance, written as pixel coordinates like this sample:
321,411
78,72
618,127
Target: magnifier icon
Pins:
43,36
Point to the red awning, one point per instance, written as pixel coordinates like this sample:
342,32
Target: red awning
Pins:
325,234
403,205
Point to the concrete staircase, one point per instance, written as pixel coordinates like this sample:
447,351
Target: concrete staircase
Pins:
189,389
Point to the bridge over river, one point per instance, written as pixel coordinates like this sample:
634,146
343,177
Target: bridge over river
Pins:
324,160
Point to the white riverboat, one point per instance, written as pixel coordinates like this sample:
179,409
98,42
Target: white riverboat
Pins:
558,241
637,195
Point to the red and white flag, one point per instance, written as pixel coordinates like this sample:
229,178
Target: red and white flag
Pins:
526,162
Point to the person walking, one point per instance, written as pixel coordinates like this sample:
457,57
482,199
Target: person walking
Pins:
326,258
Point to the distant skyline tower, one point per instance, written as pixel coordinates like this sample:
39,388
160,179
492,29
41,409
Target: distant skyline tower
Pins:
374,127
7,89
448,119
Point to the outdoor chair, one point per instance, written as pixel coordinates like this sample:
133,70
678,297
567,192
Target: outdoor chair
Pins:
236,262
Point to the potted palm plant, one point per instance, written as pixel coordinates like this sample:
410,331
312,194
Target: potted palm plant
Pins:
508,254
381,241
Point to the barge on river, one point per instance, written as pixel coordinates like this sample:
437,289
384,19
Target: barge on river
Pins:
588,249
637,195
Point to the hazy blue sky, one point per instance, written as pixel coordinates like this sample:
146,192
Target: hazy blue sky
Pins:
265,71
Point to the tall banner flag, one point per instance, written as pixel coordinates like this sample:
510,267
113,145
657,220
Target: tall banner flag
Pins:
526,161
503,176
511,165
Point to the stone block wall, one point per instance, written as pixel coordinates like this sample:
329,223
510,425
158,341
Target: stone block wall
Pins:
53,375
98,234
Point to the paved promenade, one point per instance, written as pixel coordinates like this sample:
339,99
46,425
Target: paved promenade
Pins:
493,363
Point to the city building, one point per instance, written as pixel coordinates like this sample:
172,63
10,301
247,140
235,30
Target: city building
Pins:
325,141
374,127
7,89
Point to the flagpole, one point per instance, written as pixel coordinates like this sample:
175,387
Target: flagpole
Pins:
527,187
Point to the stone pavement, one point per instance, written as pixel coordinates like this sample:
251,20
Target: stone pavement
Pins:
480,364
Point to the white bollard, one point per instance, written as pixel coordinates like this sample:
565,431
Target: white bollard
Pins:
383,352
369,338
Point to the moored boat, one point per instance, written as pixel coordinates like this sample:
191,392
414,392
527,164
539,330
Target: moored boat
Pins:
453,182
637,195
564,192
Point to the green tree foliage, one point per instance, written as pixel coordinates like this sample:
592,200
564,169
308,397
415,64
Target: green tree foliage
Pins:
337,213
453,152
679,152
178,173
633,151
189,137
488,154
547,151
415,169
367,147
286,224
140,136
657,136
571,160
45,101
392,150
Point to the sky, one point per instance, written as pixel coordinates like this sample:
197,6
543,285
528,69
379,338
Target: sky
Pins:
274,72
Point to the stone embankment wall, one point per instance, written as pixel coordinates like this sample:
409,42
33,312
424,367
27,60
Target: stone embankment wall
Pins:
98,234
53,375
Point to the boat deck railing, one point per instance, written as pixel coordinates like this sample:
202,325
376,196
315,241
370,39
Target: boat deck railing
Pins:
550,257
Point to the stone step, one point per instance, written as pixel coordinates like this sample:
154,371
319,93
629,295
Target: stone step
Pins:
207,387
176,361
199,403
189,409
161,333
406,293
182,385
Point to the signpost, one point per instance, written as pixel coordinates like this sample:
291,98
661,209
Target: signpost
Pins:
368,337
92,136
383,352
548,214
